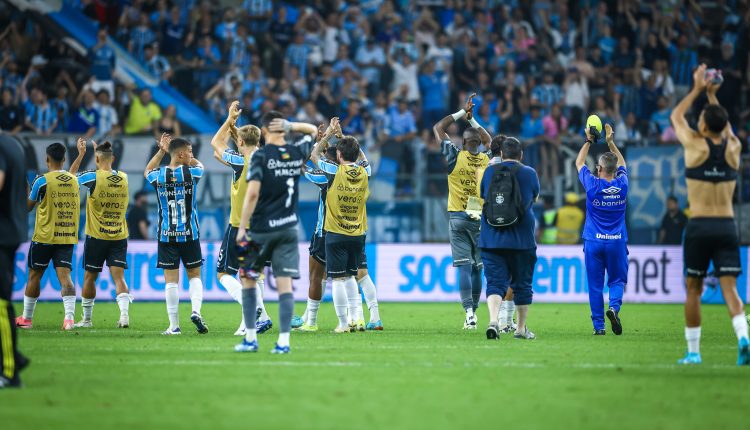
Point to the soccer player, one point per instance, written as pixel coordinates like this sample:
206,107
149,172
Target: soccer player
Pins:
106,230
605,238
463,164
712,158
55,234
270,209
345,224
247,139
179,234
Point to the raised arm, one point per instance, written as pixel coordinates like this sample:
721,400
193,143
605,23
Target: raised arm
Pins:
288,126
681,127
584,152
483,135
156,159
219,141
76,164
612,147
322,144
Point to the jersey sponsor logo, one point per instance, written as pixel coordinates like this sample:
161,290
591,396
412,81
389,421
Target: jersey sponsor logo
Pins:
63,177
612,190
282,221
617,236
115,179
276,164
608,203
499,199
714,173
353,173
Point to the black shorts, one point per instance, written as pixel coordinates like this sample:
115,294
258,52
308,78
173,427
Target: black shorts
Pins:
228,253
97,251
40,255
344,254
318,248
711,240
363,258
279,248
171,253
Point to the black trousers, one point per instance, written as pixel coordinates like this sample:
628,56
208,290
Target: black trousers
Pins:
11,359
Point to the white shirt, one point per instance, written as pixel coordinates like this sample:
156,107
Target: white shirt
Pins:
576,94
406,75
107,118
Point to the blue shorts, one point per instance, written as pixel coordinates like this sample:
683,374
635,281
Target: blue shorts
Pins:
510,268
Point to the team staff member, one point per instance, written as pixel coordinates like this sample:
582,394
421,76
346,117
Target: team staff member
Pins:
569,221
13,228
712,158
247,139
55,196
605,238
509,253
463,164
179,233
270,209
106,229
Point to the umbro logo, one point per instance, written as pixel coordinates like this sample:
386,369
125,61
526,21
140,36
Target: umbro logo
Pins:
611,190
353,173
63,178
115,179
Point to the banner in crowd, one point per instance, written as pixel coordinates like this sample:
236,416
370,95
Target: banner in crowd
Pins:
656,172
407,273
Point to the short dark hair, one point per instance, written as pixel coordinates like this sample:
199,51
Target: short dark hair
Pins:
673,198
608,161
331,153
56,152
269,116
178,143
496,146
715,117
348,147
512,149
140,194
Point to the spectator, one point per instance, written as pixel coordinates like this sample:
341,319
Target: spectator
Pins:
441,54
41,117
140,37
11,115
532,133
576,97
487,118
684,61
173,33
209,58
434,85
297,55
673,224
240,48
352,122
85,117
169,123
103,61
137,219
404,75
227,29
259,13
569,221
548,93
156,64
555,126
109,122
659,124
401,130
309,114
144,114
370,58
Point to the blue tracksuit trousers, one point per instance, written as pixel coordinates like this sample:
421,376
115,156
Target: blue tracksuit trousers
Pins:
612,258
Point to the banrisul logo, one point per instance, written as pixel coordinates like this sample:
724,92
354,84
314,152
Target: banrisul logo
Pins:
63,178
611,190
115,179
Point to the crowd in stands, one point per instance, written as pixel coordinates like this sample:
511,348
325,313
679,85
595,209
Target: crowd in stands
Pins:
388,68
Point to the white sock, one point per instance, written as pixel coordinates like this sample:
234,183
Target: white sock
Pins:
340,301
250,334
502,314
371,297
739,322
173,302
69,304
283,339
693,337
352,297
470,312
510,309
88,308
123,302
196,294
312,311
259,297
29,304
233,287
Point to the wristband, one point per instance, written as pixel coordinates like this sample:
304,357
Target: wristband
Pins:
474,123
287,126
458,115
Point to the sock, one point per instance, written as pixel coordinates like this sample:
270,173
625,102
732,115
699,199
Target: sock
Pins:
693,337
196,294
352,297
29,304
476,286
464,286
371,297
312,311
173,302
286,309
249,297
123,302
88,308
339,301
523,311
510,308
360,309
739,322
233,287
502,314
494,301
259,291
69,304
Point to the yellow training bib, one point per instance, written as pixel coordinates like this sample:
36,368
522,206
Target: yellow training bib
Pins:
237,196
107,205
346,199
462,181
58,210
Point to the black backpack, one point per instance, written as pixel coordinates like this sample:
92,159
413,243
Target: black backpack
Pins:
503,206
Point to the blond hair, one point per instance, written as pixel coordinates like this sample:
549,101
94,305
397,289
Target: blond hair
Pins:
249,135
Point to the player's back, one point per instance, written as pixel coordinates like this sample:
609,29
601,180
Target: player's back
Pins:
711,176
107,203
58,211
176,190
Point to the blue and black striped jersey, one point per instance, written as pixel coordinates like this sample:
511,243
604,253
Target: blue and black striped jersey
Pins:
176,190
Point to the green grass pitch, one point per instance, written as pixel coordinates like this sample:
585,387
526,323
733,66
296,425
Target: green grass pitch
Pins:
422,372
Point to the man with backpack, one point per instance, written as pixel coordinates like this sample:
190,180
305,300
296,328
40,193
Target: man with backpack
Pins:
507,240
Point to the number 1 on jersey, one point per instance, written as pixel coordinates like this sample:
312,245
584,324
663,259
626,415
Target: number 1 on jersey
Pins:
290,190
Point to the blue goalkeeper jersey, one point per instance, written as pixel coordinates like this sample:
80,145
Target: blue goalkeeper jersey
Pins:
178,202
